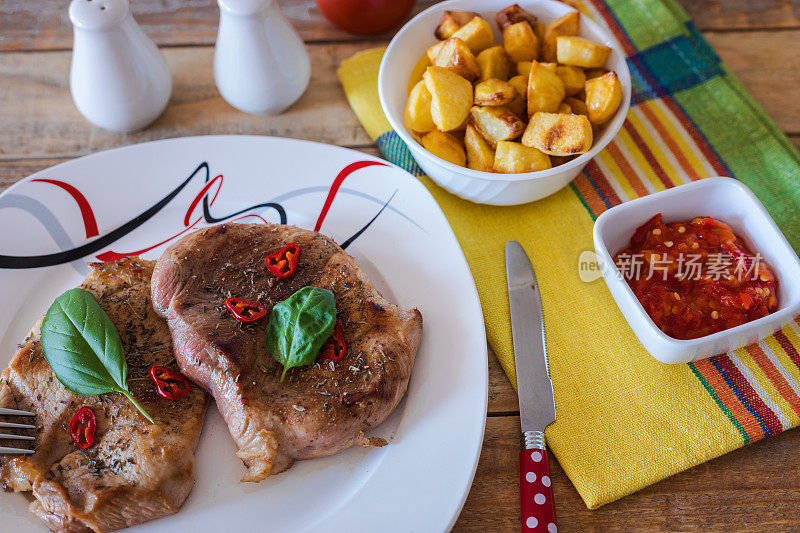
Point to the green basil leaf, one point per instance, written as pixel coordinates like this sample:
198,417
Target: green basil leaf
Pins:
83,348
299,326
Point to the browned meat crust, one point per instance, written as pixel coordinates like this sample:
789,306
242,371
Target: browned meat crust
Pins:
136,471
318,410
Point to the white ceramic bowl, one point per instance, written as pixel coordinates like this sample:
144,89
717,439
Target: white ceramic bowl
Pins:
485,187
727,200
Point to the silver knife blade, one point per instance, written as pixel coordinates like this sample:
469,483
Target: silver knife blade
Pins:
537,406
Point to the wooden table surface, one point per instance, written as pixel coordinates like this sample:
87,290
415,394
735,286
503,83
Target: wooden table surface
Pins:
755,488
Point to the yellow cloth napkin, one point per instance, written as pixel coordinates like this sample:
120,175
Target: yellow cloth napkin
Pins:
624,420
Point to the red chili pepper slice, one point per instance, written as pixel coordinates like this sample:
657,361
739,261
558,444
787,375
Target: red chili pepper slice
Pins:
245,310
334,348
283,263
642,231
169,384
81,428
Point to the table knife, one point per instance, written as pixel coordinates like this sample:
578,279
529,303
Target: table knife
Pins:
535,391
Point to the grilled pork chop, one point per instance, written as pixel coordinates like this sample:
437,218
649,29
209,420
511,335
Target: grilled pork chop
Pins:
136,471
317,410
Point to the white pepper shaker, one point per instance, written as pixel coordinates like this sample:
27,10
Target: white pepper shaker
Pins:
261,65
119,80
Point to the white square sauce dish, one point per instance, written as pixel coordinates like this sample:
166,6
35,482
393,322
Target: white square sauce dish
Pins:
726,200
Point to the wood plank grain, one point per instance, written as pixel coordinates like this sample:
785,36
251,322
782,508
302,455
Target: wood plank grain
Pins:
36,104
751,489
40,119
726,15
44,25
768,65
502,396
13,170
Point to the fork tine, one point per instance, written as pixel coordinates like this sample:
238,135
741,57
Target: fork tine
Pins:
3,450
15,412
15,437
16,426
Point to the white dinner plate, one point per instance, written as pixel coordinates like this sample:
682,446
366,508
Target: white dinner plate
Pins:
141,198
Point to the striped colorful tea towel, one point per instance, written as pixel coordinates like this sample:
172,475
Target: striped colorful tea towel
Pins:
625,420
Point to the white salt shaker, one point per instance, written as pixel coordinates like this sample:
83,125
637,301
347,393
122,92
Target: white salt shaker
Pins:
261,65
119,80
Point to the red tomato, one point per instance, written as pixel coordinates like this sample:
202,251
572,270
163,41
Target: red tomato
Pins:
365,17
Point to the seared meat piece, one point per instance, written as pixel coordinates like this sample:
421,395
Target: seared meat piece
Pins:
136,471
317,410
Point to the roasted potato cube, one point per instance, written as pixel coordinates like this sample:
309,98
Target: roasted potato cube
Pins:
524,68
564,108
520,84
451,97
545,90
480,155
514,158
578,107
433,51
451,22
494,63
594,72
417,114
569,24
559,134
477,34
552,67
445,146
573,78
520,43
513,14
603,96
455,56
539,30
580,52
494,92
459,130
418,71
496,124
519,105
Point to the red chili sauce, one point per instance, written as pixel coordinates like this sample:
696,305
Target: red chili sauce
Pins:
696,278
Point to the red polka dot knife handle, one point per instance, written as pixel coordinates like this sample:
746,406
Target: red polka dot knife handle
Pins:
536,492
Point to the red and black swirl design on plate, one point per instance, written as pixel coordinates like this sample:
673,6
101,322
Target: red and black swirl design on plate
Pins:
205,197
